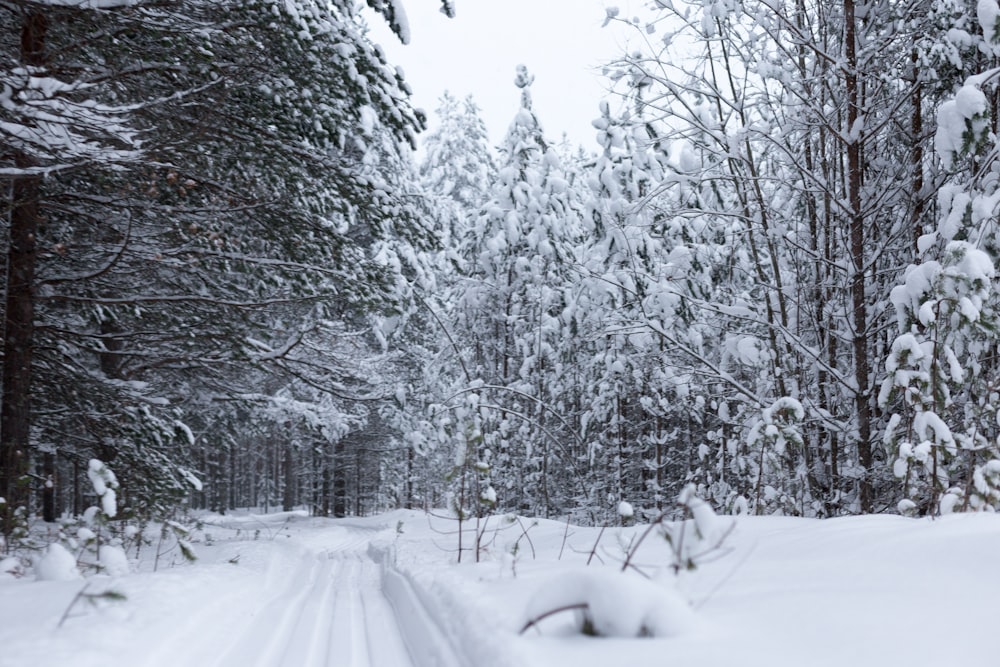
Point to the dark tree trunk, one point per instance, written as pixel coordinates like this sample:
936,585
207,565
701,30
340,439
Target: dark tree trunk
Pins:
339,479
15,414
917,152
326,492
857,230
408,503
357,483
49,490
77,491
288,498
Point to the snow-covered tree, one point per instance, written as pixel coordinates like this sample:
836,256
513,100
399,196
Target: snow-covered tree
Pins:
457,167
808,184
265,177
519,256
942,373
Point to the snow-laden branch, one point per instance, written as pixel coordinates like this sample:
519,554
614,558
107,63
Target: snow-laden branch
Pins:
50,119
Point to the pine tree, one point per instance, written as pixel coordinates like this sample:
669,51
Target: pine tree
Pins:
263,185
518,255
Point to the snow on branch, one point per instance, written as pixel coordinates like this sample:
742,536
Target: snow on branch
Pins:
50,119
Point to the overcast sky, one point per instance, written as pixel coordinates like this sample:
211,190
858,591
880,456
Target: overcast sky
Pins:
560,41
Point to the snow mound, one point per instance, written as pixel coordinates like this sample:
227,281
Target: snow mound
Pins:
56,565
250,520
113,561
614,604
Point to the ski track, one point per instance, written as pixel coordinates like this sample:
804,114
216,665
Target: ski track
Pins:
331,612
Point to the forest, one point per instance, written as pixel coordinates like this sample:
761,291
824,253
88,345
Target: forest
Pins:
233,280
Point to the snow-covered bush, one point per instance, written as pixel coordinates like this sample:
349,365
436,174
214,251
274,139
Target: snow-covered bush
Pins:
57,564
939,386
105,486
113,561
770,437
634,602
691,540
612,604
92,540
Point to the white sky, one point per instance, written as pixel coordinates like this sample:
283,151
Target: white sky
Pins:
560,41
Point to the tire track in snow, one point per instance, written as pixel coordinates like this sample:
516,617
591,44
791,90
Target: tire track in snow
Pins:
270,633
385,638
309,639
332,612
365,630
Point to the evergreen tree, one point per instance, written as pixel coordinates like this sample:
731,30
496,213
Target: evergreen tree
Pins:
518,255
941,371
263,184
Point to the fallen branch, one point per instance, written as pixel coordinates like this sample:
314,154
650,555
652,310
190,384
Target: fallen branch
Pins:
552,612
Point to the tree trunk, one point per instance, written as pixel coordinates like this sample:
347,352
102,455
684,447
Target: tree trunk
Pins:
49,489
288,498
857,232
408,503
15,414
917,151
339,480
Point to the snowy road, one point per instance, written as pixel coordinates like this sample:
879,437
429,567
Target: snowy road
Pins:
332,612
302,593
325,608
322,596
291,589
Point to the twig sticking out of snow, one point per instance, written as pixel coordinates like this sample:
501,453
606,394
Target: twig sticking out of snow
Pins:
580,606
709,533
92,598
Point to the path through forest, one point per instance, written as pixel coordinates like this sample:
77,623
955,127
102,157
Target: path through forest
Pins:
278,591
332,611
291,589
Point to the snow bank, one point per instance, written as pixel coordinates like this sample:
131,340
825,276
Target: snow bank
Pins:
614,604
56,565
113,561
424,639
774,599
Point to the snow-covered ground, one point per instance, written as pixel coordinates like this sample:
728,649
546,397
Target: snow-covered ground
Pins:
287,589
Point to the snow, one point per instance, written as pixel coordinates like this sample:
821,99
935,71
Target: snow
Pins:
57,564
191,478
11,567
368,120
615,604
955,121
489,495
186,430
402,23
988,14
90,4
104,483
289,589
113,561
